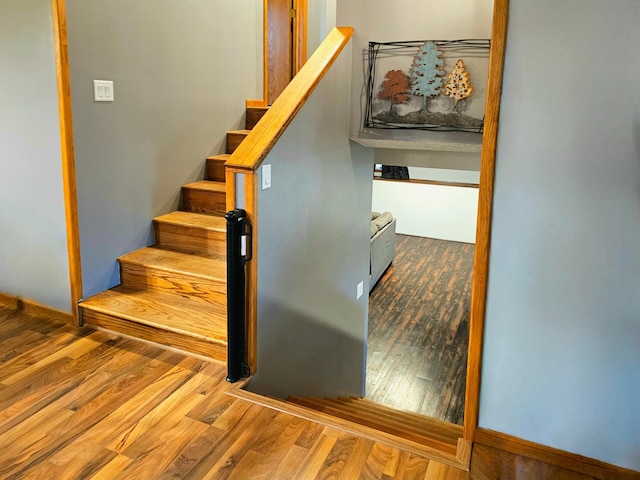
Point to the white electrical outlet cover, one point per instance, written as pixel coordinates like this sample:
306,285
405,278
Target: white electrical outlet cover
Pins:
359,290
103,91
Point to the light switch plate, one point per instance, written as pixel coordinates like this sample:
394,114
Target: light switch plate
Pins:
266,177
103,91
359,290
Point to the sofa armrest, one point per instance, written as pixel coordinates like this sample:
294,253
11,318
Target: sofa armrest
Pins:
383,250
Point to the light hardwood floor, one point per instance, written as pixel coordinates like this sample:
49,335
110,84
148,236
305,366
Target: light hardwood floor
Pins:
83,404
419,328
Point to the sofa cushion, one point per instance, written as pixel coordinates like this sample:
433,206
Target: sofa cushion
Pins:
375,215
382,220
374,229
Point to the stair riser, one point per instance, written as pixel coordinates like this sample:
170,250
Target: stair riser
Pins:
149,278
392,429
214,350
382,418
191,240
233,140
215,170
202,201
254,114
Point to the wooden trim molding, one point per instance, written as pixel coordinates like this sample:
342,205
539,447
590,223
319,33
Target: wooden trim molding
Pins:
251,207
553,456
483,229
265,52
230,182
300,35
441,183
36,309
68,158
263,137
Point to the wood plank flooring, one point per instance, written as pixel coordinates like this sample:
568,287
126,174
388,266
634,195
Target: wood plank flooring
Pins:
419,328
83,404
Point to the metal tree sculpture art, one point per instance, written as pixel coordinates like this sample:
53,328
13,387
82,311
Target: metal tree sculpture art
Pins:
394,87
458,87
426,72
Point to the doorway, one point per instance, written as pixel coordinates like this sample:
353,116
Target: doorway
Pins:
419,310
285,44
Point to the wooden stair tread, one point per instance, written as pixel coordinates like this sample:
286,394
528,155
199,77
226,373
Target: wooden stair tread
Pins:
239,132
215,223
164,311
173,261
208,186
222,157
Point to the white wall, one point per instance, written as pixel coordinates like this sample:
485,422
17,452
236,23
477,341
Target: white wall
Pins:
313,250
381,21
321,18
562,340
182,72
434,211
33,248
417,20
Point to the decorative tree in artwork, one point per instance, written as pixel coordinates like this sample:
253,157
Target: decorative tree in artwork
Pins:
394,87
426,72
458,87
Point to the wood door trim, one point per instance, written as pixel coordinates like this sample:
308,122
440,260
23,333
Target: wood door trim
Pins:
265,52
483,229
441,183
552,456
300,35
251,207
61,43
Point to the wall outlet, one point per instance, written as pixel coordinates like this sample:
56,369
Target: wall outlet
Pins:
103,91
266,177
359,290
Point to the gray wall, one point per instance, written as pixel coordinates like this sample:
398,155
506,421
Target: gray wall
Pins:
33,248
562,341
313,250
182,72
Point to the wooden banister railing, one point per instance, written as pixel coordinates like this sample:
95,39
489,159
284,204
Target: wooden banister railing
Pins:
266,133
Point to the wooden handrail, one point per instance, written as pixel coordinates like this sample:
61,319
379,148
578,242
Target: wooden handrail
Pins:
257,145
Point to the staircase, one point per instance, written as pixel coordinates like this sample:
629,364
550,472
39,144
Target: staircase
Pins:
175,292
410,426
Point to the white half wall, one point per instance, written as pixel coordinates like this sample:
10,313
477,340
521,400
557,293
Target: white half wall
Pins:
561,355
33,240
425,210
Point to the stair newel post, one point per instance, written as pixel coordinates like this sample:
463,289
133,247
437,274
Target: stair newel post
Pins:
238,241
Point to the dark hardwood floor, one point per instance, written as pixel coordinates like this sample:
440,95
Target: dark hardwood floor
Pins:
419,328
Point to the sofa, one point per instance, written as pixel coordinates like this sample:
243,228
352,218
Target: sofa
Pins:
383,245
